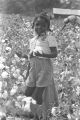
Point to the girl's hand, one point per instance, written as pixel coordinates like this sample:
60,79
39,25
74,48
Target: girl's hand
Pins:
33,54
37,53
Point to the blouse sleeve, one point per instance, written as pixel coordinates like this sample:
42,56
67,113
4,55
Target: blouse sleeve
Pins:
52,41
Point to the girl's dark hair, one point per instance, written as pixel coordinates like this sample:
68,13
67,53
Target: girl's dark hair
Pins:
42,16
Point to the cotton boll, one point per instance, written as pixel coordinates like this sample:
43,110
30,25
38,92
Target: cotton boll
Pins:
53,111
24,73
3,41
17,58
7,67
4,75
23,61
26,107
8,49
2,116
18,71
20,78
17,104
69,116
33,101
26,104
0,85
13,69
28,24
2,66
14,62
14,90
29,106
5,94
15,75
2,59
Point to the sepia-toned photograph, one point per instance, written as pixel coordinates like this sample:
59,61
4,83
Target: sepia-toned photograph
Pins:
39,59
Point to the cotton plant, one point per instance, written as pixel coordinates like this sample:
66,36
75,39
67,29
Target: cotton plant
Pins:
17,32
69,58
10,107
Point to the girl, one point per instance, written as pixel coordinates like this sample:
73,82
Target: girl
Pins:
40,84
42,48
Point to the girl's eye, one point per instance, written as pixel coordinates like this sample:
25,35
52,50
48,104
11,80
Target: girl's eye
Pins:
37,24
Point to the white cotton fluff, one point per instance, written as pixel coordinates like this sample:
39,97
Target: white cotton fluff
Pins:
13,69
28,24
28,104
4,75
53,111
17,58
3,41
2,66
5,94
2,59
2,114
16,73
14,90
8,49
20,78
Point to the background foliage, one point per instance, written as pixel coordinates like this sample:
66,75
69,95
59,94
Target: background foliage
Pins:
15,32
28,7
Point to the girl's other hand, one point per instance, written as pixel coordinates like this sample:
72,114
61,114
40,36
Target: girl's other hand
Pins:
33,54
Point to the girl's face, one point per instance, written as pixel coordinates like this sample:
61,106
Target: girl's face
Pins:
40,27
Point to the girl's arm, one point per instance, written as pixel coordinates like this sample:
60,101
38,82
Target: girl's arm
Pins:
52,55
19,54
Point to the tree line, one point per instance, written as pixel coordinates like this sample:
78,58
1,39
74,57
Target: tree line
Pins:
26,6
